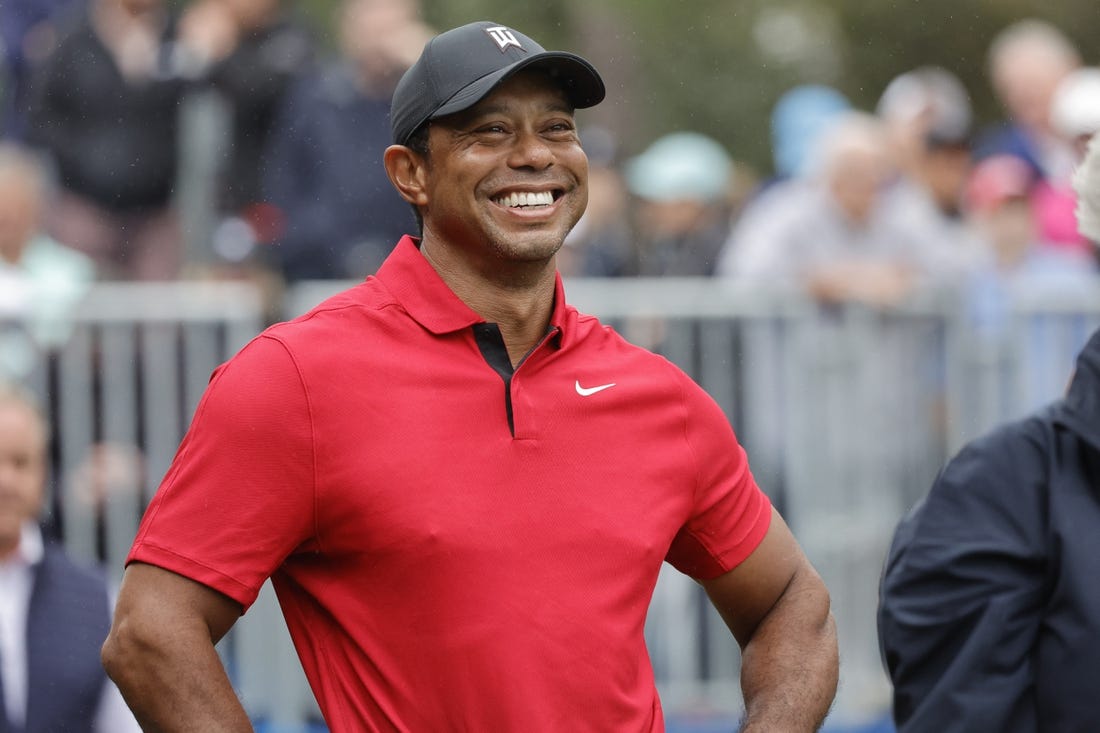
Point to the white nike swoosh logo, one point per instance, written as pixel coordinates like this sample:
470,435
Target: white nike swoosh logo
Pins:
586,391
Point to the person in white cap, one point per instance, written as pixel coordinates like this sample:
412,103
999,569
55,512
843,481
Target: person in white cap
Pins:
463,489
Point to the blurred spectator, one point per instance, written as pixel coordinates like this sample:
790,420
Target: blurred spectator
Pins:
341,216
1074,117
1027,62
106,110
250,51
41,281
29,32
682,187
1086,182
54,614
836,235
928,117
1075,110
602,242
999,199
799,119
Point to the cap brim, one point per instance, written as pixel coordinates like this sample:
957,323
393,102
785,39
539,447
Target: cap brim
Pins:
579,79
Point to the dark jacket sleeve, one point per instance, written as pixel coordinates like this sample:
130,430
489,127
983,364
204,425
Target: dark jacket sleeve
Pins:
964,587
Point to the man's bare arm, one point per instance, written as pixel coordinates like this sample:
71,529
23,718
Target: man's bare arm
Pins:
160,653
778,609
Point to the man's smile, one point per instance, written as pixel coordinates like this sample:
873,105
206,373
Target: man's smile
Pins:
524,199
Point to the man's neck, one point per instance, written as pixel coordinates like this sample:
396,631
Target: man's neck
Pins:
519,300
9,546
523,318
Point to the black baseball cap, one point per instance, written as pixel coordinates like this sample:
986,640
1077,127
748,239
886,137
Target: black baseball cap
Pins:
460,67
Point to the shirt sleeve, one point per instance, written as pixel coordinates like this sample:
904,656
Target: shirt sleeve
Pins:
730,514
963,591
239,495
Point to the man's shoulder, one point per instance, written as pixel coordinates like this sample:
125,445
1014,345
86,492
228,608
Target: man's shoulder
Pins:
1007,467
362,302
325,335
997,480
1029,434
1021,443
594,334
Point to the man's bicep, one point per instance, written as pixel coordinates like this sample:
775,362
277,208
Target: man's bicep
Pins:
744,595
151,595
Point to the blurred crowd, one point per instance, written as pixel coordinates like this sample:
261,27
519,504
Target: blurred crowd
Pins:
862,205
868,205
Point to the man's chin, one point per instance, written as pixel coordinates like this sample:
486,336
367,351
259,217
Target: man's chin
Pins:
534,246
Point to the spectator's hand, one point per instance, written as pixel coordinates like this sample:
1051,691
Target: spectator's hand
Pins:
109,471
877,284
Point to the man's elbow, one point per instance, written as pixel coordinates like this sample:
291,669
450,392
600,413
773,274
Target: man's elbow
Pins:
805,610
818,601
817,606
127,649
811,616
807,599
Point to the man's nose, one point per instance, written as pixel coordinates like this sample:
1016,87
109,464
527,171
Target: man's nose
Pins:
531,151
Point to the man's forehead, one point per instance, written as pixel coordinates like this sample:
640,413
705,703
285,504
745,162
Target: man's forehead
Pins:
16,415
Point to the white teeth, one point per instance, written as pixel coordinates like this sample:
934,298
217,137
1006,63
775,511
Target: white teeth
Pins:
524,198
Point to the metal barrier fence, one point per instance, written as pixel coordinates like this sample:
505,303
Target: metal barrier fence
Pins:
847,414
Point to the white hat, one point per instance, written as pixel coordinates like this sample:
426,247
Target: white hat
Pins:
680,166
1075,109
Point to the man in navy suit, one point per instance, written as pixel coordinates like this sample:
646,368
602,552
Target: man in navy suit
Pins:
54,614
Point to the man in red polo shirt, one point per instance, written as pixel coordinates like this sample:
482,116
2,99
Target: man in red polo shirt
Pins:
462,488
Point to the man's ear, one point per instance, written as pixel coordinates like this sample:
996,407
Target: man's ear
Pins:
408,172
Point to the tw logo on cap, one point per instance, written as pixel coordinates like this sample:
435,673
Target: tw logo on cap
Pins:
503,37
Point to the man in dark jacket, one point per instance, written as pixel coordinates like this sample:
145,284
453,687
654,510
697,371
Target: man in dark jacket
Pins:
989,615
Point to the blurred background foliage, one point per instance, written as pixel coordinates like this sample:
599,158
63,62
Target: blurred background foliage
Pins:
718,66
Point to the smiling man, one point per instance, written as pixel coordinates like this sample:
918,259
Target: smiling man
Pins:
463,489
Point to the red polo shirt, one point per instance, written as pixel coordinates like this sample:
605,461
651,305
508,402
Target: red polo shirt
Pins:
455,546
